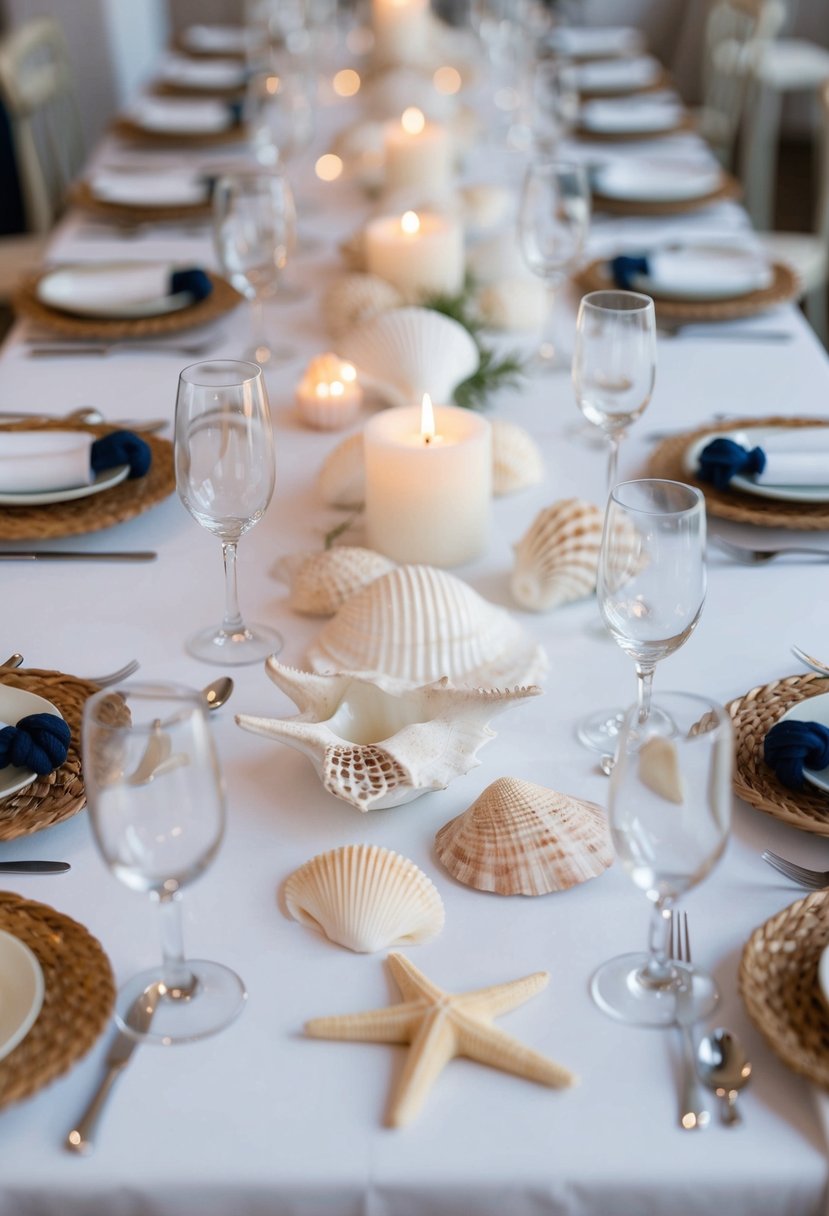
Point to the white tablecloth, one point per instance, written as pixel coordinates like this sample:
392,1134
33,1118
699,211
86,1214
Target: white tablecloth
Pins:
262,1120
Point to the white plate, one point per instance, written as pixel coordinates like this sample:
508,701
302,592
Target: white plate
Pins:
227,39
814,709
639,116
662,181
823,975
181,116
16,703
104,481
579,42
617,75
758,436
112,289
148,189
704,272
203,73
21,991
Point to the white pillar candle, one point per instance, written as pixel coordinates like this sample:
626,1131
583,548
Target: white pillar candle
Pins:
401,30
328,396
418,153
420,254
428,497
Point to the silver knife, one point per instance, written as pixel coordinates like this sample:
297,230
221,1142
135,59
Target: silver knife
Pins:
80,1139
34,867
75,555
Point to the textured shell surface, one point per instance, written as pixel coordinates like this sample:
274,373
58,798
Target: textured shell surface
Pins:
365,898
321,582
407,352
417,624
518,838
516,458
342,477
557,559
352,299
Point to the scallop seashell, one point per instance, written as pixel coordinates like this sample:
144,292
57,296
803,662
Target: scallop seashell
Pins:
416,624
522,839
342,478
411,351
516,458
321,582
557,559
377,744
365,898
353,299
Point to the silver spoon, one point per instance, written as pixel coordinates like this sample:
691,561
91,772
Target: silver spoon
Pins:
724,1068
810,661
215,694
14,660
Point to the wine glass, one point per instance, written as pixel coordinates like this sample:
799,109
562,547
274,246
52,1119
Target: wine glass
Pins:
651,584
225,477
554,104
553,219
254,227
157,808
614,363
669,812
282,114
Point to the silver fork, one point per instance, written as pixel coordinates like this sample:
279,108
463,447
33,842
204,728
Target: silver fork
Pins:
815,880
57,349
759,557
810,661
114,677
693,1111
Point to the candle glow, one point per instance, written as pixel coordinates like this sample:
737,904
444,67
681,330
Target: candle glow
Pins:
427,419
347,82
328,396
413,120
447,80
410,223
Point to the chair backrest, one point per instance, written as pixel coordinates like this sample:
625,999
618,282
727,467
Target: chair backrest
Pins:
36,89
821,225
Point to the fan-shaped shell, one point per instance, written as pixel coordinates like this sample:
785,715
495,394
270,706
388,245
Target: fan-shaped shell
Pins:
516,458
321,582
353,299
365,898
411,351
342,478
557,559
522,839
417,624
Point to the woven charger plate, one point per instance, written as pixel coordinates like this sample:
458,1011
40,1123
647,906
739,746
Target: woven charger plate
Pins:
82,195
596,276
125,128
778,983
753,715
667,461
728,189
124,501
222,300
78,998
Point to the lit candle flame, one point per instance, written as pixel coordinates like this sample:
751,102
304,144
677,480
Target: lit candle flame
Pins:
348,372
413,121
410,222
427,419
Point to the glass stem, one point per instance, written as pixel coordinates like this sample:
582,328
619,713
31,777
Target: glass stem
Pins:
644,675
232,622
657,972
178,979
260,341
612,460
549,334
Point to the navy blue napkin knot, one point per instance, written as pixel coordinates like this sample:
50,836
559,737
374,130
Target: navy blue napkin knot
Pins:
121,447
39,742
723,459
191,279
237,111
789,747
624,270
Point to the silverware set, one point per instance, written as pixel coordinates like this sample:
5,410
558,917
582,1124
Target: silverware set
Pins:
761,557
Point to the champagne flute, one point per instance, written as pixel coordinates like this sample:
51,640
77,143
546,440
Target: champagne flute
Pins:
651,584
669,812
553,220
157,808
254,228
614,363
225,477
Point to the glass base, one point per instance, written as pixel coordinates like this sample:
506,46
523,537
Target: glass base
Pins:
250,644
267,356
621,991
600,730
147,1012
549,359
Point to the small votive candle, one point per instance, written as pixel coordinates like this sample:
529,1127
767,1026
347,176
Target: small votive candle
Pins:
418,153
428,484
419,253
328,396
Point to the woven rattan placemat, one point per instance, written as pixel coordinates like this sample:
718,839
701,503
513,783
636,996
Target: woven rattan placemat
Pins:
667,460
82,195
222,300
125,128
79,993
80,515
784,286
753,716
778,983
729,189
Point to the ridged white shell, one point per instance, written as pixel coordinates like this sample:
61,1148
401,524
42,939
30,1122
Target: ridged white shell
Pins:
516,458
411,351
353,299
321,582
342,478
513,304
522,839
365,898
557,559
417,624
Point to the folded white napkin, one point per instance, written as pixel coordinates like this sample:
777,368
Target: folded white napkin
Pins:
203,73
799,457
700,271
580,41
37,461
229,38
149,189
630,115
110,289
606,75
177,114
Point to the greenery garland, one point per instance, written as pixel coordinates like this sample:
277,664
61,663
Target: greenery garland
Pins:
494,371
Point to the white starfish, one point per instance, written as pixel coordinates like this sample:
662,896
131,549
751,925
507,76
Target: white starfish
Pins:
440,1025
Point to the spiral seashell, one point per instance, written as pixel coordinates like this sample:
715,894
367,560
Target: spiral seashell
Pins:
557,559
353,299
516,458
417,624
321,582
365,898
342,478
522,839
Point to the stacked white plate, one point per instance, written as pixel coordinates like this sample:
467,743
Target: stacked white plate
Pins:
637,115
181,116
215,39
662,181
595,42
120,290
618,75
203,73
704,272
149,188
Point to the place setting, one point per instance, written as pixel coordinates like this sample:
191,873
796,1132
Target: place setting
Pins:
182,75
130,196
665,186
630,119
182,122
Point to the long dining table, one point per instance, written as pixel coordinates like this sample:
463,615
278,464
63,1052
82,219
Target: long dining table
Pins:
262,1119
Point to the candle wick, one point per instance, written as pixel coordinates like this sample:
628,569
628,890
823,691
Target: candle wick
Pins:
427,439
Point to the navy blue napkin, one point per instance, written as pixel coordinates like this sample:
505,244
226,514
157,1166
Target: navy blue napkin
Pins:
191,279
625,268
38,741
121,447
789,747
723,459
